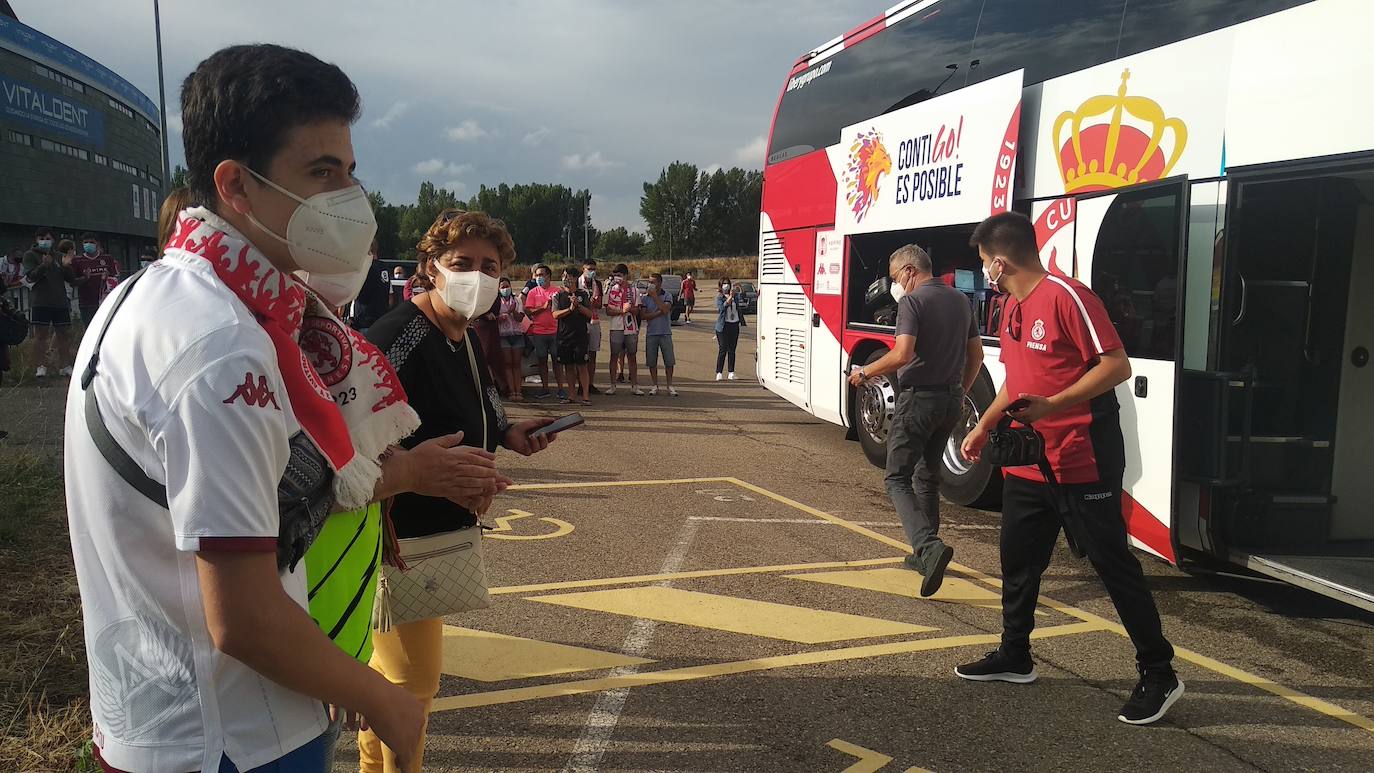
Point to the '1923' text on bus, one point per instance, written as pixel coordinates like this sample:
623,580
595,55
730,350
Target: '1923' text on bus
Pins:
1207,167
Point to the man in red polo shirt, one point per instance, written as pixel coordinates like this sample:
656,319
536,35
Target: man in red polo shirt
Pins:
1063,361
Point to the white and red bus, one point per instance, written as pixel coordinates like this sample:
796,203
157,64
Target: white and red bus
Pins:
1207,167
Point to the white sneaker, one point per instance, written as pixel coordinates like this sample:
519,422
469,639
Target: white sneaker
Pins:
40,372
67,371
719,376
653,390
637,392
610,390
672,391
732,377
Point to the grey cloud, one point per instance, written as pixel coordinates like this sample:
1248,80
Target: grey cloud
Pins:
641,83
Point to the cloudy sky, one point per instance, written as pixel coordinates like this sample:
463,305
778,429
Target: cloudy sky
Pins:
597,94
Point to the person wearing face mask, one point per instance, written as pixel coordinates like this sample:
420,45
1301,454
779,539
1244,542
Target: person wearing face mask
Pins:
93,269
729,319
1064,360
222,414
543,327
48,270
596,295
509,313
936,358
441,364
573,309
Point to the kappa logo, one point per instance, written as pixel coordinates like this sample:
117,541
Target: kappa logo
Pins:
254,393
1038,330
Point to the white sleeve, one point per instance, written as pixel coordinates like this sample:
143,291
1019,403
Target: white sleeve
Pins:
225,445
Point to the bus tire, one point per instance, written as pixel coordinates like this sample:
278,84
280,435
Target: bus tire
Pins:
975,484
874,403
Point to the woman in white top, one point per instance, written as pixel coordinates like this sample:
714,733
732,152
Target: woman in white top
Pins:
728,322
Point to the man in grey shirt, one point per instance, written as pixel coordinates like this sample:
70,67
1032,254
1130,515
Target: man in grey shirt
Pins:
936,357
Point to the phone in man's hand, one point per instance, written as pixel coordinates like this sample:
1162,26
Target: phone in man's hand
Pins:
567,422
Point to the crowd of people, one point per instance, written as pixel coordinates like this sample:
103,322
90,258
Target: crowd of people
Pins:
305,414
310,410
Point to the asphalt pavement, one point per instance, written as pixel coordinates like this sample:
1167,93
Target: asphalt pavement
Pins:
713,582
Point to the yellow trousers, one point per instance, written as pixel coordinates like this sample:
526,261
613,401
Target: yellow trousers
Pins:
408,655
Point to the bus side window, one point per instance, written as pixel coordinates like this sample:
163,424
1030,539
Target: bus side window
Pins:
1135,271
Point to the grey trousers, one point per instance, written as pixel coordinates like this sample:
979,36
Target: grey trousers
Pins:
921,425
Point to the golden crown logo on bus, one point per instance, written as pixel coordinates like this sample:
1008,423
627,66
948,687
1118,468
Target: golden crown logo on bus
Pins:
1117,140
868,162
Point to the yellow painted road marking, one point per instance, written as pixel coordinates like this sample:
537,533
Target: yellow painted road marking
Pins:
1302,699
737,615
869,761
503,527
615,483
493,657
648,578
690,673
904,582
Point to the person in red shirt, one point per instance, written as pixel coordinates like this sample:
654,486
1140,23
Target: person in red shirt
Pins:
689,295
543,330
94,269
1063,362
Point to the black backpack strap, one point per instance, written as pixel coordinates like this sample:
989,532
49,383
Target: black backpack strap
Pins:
114,454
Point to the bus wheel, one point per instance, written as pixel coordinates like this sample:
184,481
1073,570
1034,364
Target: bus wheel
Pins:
974,484
875,402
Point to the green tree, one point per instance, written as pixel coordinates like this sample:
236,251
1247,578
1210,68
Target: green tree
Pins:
542,218
180,177
619,242
416,220
388,216
670,208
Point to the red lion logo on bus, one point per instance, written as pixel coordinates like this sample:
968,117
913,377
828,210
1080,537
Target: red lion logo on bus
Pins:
868,162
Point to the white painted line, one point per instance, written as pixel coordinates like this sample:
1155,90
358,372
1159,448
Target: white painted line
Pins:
785,520
610,704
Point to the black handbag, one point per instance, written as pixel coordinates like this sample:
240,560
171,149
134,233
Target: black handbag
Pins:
14,328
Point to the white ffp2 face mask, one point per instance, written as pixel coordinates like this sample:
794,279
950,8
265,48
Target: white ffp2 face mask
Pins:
329,233
898,292
468,293
336,289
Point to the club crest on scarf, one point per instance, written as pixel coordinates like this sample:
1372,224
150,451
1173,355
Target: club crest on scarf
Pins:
320,359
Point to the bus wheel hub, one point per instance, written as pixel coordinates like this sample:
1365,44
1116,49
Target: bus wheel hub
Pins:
877,401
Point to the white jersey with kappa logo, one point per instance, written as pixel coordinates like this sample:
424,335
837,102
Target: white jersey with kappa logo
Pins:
188,385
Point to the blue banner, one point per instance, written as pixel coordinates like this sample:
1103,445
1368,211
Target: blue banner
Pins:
45,109
29,42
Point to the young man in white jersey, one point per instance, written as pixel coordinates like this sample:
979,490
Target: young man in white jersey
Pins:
184,441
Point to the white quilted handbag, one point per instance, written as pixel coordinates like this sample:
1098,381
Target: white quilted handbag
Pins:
440,574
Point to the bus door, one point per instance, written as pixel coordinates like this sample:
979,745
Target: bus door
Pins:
785,313
1282,415
1129,249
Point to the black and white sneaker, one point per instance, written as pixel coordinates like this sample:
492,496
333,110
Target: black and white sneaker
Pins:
998,666
1150,700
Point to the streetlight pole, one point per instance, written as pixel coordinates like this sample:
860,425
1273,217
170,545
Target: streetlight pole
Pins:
162,108
586,223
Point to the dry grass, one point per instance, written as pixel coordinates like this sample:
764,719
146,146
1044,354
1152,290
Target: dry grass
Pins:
44,719
746,267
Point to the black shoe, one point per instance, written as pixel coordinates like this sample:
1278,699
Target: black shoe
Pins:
1150,700
998,666
935,558
594,390
620,378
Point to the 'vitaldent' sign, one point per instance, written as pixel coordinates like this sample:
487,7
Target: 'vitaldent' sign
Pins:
944,161
51,111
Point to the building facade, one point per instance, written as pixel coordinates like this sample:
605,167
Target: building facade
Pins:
80,147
